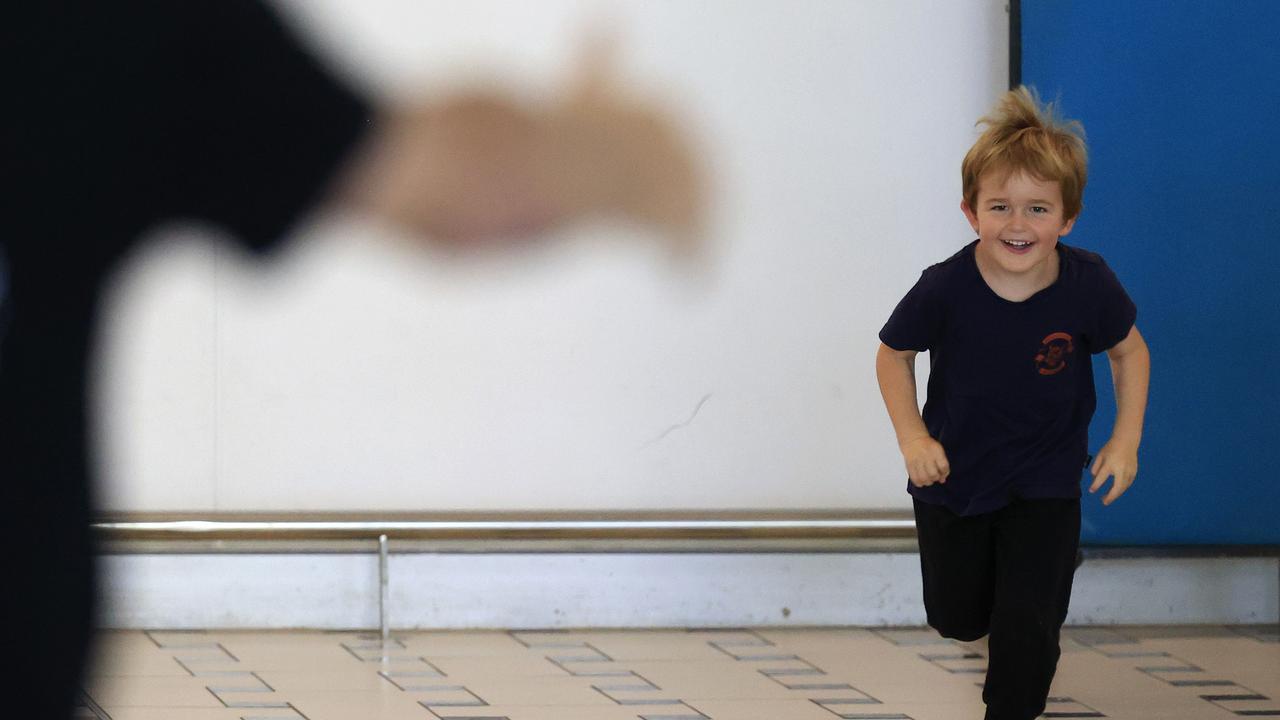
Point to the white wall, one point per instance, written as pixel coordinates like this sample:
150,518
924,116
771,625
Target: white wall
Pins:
348,374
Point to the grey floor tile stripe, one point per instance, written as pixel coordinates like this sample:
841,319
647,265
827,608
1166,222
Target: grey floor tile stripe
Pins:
1098,636
1080,710
593,669
519,636
586,652
909,637
636,683
692,714
1173,671
1123,654
94,710
867,716
152,636
376,645
412,680
475,701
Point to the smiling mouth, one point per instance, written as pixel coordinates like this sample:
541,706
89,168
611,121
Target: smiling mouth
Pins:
1018,245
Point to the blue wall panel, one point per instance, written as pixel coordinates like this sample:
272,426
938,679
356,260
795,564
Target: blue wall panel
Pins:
1181,104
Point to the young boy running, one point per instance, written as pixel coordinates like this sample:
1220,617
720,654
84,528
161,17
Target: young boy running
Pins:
1010,322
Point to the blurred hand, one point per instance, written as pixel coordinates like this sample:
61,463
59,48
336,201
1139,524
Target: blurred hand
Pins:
1118,460
926,461
635,147
479,167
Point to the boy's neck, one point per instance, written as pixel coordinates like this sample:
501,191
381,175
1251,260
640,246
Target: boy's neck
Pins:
1017,287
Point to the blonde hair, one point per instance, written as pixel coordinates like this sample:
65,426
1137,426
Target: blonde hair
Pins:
1026,135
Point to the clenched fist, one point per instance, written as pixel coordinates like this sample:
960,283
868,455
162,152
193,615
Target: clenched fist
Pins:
926,461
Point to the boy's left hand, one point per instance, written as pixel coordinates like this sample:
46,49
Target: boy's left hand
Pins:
1118,460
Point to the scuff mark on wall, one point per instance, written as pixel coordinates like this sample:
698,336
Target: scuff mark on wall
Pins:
684,424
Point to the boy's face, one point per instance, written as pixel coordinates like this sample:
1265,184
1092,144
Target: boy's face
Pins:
1018,219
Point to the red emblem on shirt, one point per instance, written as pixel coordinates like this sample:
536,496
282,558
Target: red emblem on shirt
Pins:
1054,350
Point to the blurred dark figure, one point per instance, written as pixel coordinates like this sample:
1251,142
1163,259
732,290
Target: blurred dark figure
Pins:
119,115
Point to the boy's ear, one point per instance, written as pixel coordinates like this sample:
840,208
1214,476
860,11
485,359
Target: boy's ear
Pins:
970,215
1066,227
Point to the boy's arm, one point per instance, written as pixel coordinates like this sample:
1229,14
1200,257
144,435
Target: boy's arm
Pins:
925,458
1130,372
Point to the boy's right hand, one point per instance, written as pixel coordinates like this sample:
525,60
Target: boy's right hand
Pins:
926,461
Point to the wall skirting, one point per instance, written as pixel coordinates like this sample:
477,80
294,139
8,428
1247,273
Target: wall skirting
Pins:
553,590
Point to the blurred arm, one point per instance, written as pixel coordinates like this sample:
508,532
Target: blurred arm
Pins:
477,167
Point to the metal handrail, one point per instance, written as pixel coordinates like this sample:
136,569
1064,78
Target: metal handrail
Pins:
799,527
502,525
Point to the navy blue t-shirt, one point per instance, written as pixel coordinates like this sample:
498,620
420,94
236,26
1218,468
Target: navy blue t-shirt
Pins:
1011,389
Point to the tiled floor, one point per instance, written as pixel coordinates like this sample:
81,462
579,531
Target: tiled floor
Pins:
1170,673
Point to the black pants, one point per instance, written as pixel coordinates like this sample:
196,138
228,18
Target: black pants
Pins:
1008,574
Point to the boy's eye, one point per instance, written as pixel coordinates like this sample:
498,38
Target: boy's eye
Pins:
1039,209
998,208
